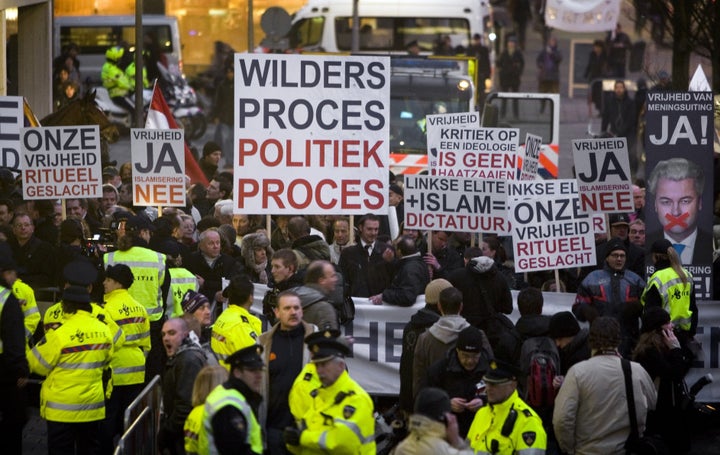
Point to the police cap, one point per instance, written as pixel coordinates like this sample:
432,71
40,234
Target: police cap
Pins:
326,345
80,273
248,357
501,372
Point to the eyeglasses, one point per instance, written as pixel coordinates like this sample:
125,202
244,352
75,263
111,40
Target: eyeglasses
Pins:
617,256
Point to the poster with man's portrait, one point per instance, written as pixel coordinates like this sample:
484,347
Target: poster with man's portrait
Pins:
679,191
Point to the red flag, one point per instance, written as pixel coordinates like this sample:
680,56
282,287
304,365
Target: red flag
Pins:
159,117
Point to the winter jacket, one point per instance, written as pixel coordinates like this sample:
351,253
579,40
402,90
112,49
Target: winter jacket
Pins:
419,323
409,282
533,325
310,248
484,291
317,308
427,436
432,345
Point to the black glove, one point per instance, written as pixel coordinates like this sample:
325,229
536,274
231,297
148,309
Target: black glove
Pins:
291,436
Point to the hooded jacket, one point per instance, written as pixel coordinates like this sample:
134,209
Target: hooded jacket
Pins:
484,291
432,345
427,436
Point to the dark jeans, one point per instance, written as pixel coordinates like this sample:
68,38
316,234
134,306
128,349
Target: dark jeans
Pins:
66,438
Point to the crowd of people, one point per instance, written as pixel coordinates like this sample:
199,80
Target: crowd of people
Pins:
143,293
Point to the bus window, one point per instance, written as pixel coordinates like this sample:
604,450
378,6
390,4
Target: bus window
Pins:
306,32
96,40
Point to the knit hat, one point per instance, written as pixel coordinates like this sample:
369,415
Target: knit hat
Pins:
614,244
120,273
432,403
470,339
432,290
563,324
210,147
661,246
653,319
192,300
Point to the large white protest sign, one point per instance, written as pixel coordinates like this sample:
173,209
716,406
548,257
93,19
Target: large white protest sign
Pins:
312,133
530,157
158,160
11,120
61,162
488,153
455,204
549,230
603,173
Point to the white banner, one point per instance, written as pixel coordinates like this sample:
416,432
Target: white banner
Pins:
158,160
377,330
585,16
455,204
312,134
61,162
488,153
11,120
602,168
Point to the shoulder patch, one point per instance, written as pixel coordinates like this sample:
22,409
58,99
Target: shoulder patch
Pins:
348,412
529,438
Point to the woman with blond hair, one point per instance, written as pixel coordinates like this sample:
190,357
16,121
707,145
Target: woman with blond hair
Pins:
671,288
207,379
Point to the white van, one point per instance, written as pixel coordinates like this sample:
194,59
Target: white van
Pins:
388,26
95,34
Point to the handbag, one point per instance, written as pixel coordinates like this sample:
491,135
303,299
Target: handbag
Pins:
636,444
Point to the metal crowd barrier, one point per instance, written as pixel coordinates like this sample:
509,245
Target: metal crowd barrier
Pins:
141,421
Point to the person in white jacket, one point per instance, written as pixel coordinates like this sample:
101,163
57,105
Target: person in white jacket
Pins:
591,411
433,427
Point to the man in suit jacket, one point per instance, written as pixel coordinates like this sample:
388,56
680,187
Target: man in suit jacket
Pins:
367,266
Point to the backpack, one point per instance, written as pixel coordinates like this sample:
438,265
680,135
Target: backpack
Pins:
540,361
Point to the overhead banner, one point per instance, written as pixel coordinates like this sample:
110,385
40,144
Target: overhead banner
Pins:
158,160
679,202
602,168
455,204
61,162
549,229
530,157
585,16
312,134
488,153
11,120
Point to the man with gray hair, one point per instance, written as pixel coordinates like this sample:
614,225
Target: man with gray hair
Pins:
677,188
591,410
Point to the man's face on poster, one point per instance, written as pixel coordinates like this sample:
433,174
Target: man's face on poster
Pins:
677,205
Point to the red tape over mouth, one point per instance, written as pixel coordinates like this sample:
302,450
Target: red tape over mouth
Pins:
676,221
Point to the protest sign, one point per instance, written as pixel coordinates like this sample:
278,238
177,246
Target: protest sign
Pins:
679,201
11,120
61,162
434,123
158,160
312,134
488,153
530,157
455,204
549,230
603,173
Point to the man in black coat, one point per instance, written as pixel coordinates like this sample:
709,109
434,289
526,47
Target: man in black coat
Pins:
410,279
212,266
367,266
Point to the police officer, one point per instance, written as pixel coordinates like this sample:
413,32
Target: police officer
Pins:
230,422
128,363
236,328
150,284
115,80
507,425
671,288
340,418
73,357
13,364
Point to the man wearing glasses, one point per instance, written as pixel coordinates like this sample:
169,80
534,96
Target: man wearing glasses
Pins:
613,291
